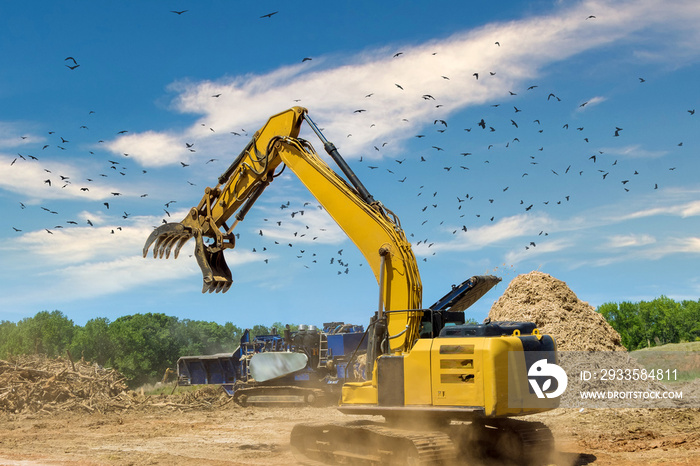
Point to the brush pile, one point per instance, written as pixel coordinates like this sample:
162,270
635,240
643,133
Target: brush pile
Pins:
34,383
38,384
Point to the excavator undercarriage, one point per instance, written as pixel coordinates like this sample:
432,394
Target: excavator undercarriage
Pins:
423,441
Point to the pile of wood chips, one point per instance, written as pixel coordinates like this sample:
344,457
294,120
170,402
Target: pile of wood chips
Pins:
35,383
540,298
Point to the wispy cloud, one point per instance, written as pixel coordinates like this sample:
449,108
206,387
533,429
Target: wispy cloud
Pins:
592,102
686,209
626,241
501,231
53,179
634,151
333,88
14,134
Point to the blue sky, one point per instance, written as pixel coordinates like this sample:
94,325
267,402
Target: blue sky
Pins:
546,184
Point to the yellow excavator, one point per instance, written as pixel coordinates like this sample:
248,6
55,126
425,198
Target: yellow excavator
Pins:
447,390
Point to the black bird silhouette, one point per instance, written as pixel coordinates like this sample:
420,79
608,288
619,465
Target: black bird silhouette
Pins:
269,15
179,12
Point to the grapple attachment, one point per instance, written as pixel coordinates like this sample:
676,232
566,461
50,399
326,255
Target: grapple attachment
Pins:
215,273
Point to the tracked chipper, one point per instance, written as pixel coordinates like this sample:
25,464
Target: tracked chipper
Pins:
447,390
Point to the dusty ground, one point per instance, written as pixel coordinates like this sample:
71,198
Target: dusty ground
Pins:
230,435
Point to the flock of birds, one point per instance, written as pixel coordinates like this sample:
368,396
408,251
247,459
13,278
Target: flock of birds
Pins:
500,129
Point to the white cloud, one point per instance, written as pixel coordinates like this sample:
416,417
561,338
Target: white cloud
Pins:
502,231
540,249
634,151
150,149
687,209
333,88
592,102
52,180
14,134
626,241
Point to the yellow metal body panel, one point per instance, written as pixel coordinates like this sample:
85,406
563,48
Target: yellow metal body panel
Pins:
487,372
361,393
417,369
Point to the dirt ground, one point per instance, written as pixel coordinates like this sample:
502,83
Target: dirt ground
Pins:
231,435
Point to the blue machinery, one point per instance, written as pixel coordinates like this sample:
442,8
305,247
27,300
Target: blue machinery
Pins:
308,366
319,375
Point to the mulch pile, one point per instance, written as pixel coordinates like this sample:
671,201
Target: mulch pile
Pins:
540,298
38,384
585,340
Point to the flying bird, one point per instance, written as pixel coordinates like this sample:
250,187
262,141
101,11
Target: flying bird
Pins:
269,15
179,12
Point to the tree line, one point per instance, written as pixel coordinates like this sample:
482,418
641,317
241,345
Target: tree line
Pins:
143,346
140,346
652,323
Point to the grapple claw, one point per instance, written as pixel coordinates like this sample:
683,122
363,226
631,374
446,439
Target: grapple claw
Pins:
162,237
216,275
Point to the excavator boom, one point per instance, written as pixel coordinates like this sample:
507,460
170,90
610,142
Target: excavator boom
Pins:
372,227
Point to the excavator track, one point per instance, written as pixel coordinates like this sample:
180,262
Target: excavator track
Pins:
499,441
282,395
369,443
513,441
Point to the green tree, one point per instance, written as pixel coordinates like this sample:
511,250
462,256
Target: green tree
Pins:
690,320
280,327
94,342
258,330
200,337
8,338
144,346
47,333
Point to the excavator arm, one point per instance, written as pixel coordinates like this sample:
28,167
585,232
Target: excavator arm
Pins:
374,229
